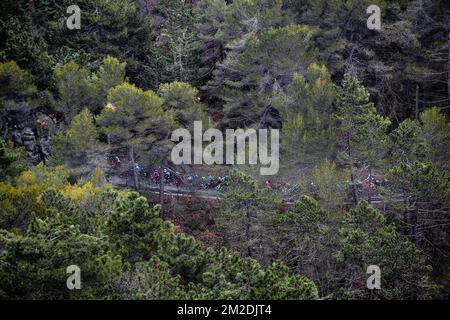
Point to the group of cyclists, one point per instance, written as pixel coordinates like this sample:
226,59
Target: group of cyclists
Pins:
174,178
208,182
170,177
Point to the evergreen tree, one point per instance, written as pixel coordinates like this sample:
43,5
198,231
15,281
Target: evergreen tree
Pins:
248,78
136,120
424,139
363,130
401,64
12,161
307,117
327,184
304,237
405,143
78,147
75,90
245,214
23,42
210,17
425,206
122,248
175,53
18,95
367,239
110,74
436,136
183,99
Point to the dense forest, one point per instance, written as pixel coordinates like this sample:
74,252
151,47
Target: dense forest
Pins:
87,178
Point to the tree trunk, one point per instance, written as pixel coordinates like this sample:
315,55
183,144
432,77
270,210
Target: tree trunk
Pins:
352,177
5,132
40,149
161,191
413,223
448,69
369,196
247,234
133,163
417,101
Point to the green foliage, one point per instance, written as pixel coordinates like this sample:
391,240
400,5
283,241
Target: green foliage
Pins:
436,135
242,18
405,142
110,74
367,239
244,216
426,139
122,248
23,44
175,53
247,88
40,178
136,119
391,61
16,85
327,184
363,132
82,133
259,64
352,103
117,29
210,16
425,191
39,260
303,237
135,116
231,277
18,208
78,88
135,230
307,114
77,148
75,91
18,94
370,138
12,161
183,100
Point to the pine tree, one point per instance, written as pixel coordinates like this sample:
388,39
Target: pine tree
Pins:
425,206
78,147
423,139
18,95
12,161
118,29
210,16
22,41
405,143
367,239
436,136
327,184
307,117
240,82
370,144
408,53
183,99
136,120
304,237
110,74
363,130
175,53
249,77
243,218
75,90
